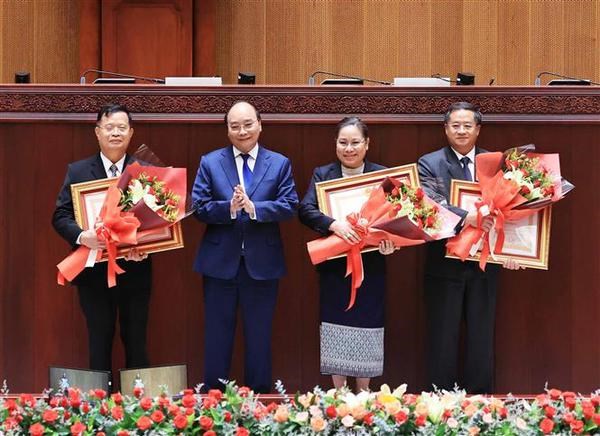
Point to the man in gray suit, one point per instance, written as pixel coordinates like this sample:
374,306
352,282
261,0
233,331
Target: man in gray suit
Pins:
456,290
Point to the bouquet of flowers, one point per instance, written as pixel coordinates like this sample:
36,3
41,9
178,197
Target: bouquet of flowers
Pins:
514,185
394,211
143,201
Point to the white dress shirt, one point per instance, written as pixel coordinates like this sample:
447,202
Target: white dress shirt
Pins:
239,163
471,156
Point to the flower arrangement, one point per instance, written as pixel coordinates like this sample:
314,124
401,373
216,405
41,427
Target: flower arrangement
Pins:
411,202
534,180
238,412
154,194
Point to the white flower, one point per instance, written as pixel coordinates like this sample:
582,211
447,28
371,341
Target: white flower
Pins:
138,191
302,417
521,424
348,421
488,418
150,201
452,423
315,411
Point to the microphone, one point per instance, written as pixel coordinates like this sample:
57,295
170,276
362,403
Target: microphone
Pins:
311,78
131,76
538,80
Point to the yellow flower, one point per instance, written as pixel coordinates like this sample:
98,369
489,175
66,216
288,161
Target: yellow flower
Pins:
342,410
386,396
305,400
317,423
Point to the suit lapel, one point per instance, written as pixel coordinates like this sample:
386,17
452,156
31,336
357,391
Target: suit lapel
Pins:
263,162
454,167
228,165
334,171
97,168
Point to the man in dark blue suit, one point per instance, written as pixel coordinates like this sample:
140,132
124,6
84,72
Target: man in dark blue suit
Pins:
131,296
241,192
455,290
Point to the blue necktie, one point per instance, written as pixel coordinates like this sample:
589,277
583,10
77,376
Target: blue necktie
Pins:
465,164
247,172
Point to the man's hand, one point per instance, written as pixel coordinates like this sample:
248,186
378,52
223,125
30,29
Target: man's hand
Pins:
345,231
237,200
386,247
135,255
487,222
242,200
511,263
90,240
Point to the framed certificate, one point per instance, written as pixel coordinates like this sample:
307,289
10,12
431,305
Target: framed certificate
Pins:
88,198
338,198
526,240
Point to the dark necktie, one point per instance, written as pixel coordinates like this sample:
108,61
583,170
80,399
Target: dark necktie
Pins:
247,172
465,164
113,170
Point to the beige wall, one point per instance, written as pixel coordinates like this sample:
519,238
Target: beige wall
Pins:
284,41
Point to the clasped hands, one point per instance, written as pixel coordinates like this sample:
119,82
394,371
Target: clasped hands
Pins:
487,222
90,239
240,201
344,230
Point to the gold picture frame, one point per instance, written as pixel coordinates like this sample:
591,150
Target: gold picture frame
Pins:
88,198
527,241
339,197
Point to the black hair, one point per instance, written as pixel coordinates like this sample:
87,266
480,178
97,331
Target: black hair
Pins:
242,101
113,108
352,121
459,105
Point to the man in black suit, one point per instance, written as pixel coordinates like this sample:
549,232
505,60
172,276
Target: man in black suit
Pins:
456,290
131,296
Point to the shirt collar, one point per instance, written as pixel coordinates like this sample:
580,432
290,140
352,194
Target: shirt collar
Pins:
470,154
253,153
107,163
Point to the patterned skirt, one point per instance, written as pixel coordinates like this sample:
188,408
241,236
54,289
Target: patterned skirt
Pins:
352,341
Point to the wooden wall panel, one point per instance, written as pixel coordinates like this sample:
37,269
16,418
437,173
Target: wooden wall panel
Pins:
147,38
40,37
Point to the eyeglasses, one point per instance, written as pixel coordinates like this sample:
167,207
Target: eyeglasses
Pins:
248,125
354,144
120,128
457,126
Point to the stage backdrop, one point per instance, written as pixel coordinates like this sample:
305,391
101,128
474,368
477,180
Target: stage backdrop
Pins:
547,320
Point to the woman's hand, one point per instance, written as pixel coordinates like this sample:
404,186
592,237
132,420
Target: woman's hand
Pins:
345,231
386,247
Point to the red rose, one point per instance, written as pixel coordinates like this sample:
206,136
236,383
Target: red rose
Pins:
241,431
421,420
146,403
117,413
596,419
331,412
100,394
272,407
568,418
546,425
368,419
206,422
188,391
138,392
54,402
36,429
157,416
103,409
409,399
27,400
524,190
244,391
66,415
180,422
210,433
209,402
447,413
189,401
117,398
173,409
536,183
74,398
164,402
542,399
430,221
503,412
50,415
77,428
524,172
576,426
570,402
227,416
419,194
123,433
401,417
549,411
587,409
10,423
144,423
85,407
100,433
216,394
596,400
189,411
